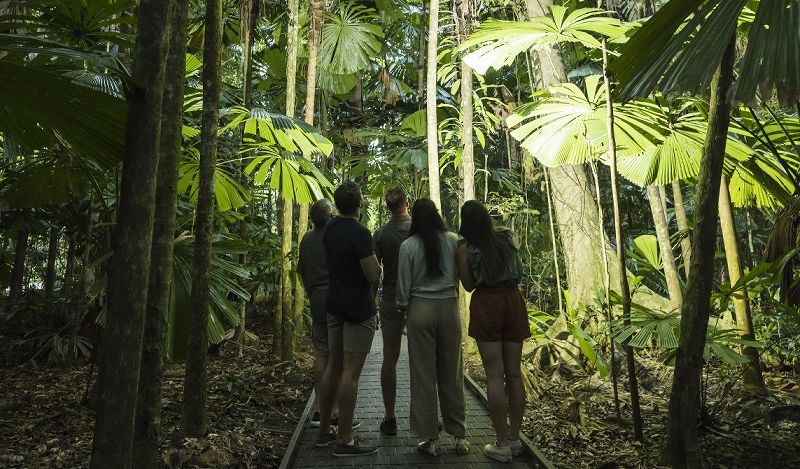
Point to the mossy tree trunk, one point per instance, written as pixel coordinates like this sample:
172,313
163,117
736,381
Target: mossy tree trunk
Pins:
683,448
119,358
193,422
148,404
430,97
665,247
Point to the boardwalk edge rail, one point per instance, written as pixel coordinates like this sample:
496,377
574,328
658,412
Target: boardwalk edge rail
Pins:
537,455
289,455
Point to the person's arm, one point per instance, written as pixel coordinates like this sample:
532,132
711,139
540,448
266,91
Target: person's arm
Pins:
301,266
464,269
403,277
372,270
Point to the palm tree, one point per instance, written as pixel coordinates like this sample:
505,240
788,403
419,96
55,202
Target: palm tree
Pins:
120,357
193,420
430,92
670,52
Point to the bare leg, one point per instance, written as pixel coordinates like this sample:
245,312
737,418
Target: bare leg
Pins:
320,362
492,358
512,355
328,386
347,394
391,353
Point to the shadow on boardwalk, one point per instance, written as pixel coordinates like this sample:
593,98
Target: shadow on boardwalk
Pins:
400,450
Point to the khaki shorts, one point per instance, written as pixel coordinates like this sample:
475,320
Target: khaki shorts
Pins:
345,336
319,321
392,318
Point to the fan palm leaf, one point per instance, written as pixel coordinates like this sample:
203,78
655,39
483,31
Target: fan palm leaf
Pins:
672,51
499,42
351,38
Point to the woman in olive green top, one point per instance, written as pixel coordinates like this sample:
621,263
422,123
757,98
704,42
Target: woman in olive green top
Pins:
489,265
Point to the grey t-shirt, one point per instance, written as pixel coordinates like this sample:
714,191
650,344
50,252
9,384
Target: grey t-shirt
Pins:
388,239
413,278
312,265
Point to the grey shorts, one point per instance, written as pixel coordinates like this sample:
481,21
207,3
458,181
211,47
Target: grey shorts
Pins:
319,321
392,318
345,336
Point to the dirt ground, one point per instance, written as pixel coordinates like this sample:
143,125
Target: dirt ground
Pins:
572,420
254,402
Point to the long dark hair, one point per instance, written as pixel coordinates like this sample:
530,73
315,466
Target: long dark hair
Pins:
427,224
496,248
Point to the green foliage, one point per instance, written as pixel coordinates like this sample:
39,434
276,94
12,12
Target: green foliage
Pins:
350,39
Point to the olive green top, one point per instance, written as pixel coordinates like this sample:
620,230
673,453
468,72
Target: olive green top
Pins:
513,264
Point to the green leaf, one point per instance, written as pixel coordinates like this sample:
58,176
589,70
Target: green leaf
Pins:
350,39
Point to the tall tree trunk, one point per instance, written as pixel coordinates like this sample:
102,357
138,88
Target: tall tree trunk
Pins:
620,237
119,359
80,303
683,225
432,124
284,329
683,448
18,270
148,404
421,55
314,37
665,247
248,10
744,322
52,253
194,389
69,268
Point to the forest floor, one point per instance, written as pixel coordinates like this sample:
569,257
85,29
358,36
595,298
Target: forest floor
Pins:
572,420
253,405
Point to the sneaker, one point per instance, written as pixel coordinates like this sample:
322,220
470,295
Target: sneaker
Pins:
314,422
389,426
325,439
462,446
428,447
356,449
516,447
335,423
498,453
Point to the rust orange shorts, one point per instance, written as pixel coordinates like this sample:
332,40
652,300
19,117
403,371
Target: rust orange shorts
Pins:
498,313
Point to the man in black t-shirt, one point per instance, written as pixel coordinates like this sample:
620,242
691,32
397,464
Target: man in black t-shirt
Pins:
353,275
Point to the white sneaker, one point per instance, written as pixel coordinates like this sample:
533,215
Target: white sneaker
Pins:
498,453
516,447
428,447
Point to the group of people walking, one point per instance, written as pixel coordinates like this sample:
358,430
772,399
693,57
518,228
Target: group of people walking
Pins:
422,264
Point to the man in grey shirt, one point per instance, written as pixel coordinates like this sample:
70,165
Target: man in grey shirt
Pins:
388,239
313,269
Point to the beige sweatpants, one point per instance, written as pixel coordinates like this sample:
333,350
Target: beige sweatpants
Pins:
434,349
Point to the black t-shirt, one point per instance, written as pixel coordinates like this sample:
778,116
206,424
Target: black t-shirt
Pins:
350,295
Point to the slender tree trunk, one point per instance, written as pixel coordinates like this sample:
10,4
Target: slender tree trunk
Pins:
248,13
119,359
69,268
683,225
620,237
752,373
314,36
683,448
52,253
284,329
194,390
80,303
553,240
18,270
148,404
432,127
421,55
665,247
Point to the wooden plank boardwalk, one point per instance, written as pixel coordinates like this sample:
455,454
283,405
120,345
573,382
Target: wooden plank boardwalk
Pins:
399,450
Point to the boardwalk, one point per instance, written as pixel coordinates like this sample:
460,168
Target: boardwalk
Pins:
400,450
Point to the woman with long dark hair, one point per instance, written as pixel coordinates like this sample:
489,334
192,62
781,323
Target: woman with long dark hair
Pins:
489,265
426,289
